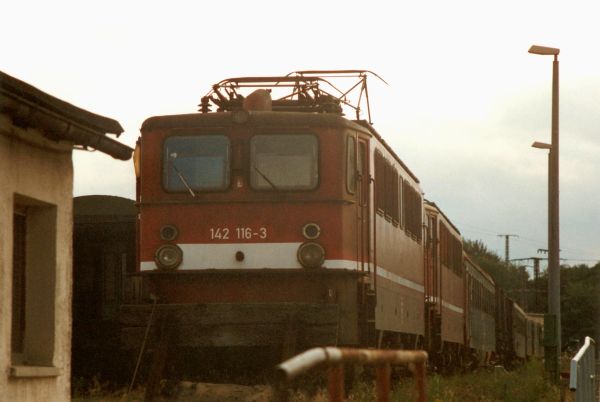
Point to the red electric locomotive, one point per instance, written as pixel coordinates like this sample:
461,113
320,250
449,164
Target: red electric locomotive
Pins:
277,220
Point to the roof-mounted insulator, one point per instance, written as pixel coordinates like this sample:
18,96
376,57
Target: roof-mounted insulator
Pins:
204,104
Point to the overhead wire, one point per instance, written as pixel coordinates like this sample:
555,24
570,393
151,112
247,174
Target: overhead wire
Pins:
540,244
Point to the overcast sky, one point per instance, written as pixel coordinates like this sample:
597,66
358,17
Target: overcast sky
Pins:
464,103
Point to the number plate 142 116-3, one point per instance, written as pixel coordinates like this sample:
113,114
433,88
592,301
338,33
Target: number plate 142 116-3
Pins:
239,233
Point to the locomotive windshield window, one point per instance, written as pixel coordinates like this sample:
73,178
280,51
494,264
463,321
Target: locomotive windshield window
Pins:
284,162
196,163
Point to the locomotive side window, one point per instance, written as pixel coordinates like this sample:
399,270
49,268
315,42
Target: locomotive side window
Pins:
392,194
284,162
362,173
196,163
379,183
351,165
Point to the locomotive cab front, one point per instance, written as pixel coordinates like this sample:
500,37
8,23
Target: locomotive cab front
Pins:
248,224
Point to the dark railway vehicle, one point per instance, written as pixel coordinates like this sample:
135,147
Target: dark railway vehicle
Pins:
480,299
504,327
535,335
519,332
276,220
514,341
103,256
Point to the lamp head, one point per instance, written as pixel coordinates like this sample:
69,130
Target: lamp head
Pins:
544,51
541,145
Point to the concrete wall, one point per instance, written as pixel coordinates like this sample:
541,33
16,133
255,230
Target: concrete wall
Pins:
38,174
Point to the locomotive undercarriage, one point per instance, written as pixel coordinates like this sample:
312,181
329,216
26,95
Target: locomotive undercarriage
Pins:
232,325
288,310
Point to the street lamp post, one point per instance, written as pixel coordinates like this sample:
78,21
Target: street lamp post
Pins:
553,216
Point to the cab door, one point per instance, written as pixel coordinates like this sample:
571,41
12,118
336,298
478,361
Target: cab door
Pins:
359,183
362,199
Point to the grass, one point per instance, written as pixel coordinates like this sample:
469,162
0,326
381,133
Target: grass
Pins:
525,384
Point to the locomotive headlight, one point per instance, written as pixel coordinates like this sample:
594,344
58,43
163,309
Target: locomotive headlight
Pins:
168,232
311,255
311,231
168,257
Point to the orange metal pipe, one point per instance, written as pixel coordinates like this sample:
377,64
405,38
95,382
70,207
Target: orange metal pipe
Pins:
335,358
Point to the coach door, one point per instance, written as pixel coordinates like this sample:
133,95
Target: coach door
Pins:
432,286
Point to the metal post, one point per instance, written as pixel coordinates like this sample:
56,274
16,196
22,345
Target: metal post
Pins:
335,385
383,383
553,221
536,276
507,246
420,382
553,218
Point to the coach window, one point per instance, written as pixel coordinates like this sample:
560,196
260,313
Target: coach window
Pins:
400,208
196,163
284,162
411,201
351,165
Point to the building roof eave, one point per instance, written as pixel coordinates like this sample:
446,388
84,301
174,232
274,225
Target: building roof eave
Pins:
59,120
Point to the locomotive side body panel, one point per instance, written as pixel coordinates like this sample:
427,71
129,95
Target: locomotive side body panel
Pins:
397,217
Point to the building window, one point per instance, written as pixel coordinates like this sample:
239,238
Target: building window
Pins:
33,282
18,284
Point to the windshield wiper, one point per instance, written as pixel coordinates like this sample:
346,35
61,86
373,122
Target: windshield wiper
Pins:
180,175
266,178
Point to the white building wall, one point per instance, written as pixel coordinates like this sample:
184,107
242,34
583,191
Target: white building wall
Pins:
37,169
